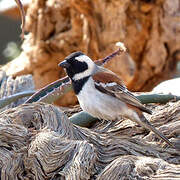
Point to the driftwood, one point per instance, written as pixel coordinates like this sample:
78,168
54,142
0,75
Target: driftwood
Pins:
39,142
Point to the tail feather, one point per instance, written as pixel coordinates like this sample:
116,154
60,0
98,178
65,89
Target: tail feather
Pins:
145,123
144,109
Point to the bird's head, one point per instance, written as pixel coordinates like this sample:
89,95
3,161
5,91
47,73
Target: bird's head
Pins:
78,66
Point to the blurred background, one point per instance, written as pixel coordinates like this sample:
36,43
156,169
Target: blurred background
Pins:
55,28
10,40
10,31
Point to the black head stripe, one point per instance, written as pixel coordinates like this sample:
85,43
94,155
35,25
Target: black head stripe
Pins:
76,67
74,55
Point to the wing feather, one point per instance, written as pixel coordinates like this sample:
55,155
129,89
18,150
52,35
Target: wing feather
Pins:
109,83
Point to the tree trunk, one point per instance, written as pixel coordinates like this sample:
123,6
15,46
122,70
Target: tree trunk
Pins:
149,29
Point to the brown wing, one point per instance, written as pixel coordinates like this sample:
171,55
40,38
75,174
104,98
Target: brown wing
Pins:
107,82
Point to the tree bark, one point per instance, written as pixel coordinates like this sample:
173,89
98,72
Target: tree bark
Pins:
56,28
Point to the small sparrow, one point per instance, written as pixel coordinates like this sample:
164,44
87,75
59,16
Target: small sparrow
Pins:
102,94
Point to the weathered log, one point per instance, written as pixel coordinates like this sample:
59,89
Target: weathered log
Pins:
39,142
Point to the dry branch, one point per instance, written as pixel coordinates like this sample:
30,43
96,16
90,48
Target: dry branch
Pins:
22,12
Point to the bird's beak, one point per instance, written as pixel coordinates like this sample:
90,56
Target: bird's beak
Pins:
64,64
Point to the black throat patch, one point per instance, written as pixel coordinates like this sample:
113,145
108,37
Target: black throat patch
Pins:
78,84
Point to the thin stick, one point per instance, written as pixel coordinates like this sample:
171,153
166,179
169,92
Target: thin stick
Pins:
21,9
121,49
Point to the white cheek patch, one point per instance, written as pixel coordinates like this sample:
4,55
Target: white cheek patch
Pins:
89,71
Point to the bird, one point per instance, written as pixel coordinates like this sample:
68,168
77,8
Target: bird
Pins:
103,95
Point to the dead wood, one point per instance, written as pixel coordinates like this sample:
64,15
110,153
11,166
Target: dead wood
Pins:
39,142
10,85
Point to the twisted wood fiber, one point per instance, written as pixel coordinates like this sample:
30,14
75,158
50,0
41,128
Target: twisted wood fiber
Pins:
39,142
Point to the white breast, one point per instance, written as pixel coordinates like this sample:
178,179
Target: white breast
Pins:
99,104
